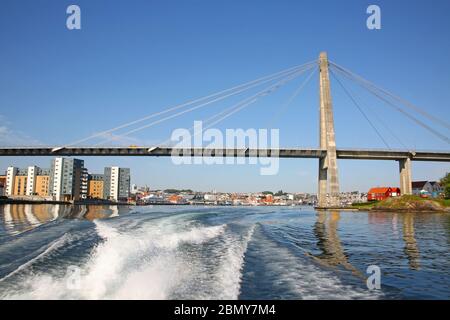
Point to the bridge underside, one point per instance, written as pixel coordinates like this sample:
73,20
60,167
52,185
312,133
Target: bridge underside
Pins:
355,154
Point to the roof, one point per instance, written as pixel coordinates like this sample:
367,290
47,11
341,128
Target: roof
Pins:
379,190
383,189
418,184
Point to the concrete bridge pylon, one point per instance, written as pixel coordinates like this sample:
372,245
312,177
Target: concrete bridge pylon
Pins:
328,168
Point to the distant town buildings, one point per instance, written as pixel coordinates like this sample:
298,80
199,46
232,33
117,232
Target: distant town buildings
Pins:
134,189
66,180
171,196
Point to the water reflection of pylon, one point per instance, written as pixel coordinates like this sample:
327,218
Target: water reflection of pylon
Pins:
411,249
328,241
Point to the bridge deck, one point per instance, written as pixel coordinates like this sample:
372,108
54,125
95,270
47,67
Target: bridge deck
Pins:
357,154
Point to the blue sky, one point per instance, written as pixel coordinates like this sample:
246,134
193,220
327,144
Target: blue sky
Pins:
133,58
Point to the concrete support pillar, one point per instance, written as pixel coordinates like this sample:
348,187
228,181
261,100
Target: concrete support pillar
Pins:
328,171
322,193
405,176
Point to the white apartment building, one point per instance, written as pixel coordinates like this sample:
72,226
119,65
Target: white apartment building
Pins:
116,183
10,179
57,171
114,191
68,179
31,180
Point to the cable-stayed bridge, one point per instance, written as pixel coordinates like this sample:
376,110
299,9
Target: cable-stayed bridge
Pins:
327,153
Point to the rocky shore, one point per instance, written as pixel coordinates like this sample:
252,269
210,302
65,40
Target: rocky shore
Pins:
407,204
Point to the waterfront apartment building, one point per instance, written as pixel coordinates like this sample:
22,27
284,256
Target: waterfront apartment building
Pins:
84,183
116,184
42,183
95,186
27,182
11,174
67,179
2,185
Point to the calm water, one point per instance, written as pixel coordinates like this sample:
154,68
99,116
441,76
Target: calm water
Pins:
219,253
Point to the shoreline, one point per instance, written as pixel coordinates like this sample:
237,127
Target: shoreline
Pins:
363,208
403,210
17,201
101,203
406,203
74,203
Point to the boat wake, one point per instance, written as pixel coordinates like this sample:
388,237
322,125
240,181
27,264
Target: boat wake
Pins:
45,251
170,258
276,272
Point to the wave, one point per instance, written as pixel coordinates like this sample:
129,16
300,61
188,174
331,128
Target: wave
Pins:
289,276
229,274
140,263
54,245
177,257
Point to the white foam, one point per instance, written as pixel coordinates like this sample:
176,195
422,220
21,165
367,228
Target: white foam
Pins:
130,264
149,261
229,275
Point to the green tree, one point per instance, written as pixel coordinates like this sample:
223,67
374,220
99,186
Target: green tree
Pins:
445,183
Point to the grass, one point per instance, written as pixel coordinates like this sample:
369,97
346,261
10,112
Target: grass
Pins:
444,202
365,205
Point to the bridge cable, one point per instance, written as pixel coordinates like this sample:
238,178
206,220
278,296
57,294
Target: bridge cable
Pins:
276,87
242,104
411,117
419,122
352,98
245,102
385,125
399,99
230,109
219,95
234,90
173,116
286,105
194,108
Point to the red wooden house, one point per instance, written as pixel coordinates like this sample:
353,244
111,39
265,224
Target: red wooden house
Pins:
381,193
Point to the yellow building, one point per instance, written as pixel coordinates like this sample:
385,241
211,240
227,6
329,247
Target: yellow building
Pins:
95,189
20,185
42,187
2,185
